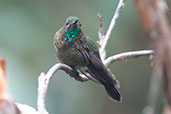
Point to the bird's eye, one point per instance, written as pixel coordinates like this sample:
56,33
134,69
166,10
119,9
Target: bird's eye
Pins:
66,23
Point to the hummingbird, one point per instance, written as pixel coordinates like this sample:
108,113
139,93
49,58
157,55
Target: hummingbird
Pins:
74,48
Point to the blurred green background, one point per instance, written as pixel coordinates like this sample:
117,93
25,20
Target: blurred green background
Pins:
27,28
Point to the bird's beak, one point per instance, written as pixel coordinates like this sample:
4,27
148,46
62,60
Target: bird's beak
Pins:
73,25
75,22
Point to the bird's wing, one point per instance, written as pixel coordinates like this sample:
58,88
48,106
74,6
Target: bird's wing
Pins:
92,46
90,52
97,70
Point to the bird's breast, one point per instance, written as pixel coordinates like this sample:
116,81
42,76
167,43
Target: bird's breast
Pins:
71,56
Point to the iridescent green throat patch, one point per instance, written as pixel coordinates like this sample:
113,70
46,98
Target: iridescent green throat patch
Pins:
70,34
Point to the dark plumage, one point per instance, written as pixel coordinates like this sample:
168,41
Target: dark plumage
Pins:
77,50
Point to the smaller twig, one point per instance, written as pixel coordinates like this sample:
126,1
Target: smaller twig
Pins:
101,37
43,82
67,69
127,55
111,26
101,29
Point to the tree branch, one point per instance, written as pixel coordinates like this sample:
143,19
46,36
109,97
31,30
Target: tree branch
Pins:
126,55
104,40
43,82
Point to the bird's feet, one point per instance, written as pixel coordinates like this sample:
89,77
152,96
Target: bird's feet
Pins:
77,76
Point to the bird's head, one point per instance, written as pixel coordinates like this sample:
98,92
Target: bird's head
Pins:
72,28
73,21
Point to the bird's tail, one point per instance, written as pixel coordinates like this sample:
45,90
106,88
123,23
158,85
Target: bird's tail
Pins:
112,92
100,73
